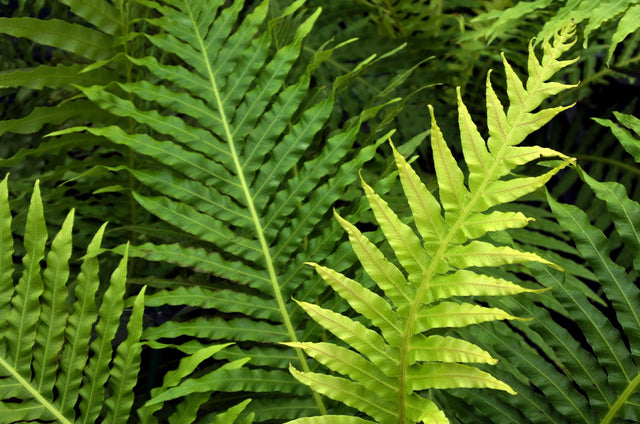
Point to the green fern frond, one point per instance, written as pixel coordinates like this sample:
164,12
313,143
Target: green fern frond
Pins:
60,358
595,15
48,371
241,161
73,33
616,284
386,370
399,18
590,374
83,42
183,383
495,22
630,125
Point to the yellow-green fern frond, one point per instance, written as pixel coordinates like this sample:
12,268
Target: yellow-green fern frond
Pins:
403,348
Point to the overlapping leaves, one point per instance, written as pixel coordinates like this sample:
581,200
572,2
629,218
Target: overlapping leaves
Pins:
73,33
93,36
386,368
62,358
625,13
239,160
589,373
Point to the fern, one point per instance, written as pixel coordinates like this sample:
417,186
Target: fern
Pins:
429,29
57,362
389,369
80,42
46,372
402,19
589,371
611,49
72,34
240,160
626,12
193,388
624,131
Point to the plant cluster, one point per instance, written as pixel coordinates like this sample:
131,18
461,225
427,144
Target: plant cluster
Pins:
489,278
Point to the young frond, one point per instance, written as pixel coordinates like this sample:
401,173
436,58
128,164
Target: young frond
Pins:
403,352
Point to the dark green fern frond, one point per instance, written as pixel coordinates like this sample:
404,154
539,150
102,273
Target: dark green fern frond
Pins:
242,163
93,36
70,34
403,19
193,388
386,369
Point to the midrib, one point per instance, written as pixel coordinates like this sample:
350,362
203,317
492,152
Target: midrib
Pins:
35,393
264,246
439,256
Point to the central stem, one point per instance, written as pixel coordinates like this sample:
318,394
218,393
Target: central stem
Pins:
440,254
273,278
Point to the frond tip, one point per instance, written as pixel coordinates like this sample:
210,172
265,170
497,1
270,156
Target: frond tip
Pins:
397,354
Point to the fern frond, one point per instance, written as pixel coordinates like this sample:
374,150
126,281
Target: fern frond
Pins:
624,12
624,136
439,265
241,162
73,33
78,39
193,392
404,19
89,43
68,370
47,330
593,384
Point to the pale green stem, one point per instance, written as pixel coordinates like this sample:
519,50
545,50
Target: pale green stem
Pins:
44,402
131,159
594,158
622,399
254,216
439,256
